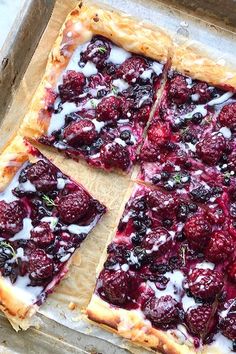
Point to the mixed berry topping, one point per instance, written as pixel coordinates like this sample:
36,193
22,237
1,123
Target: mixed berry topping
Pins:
44,217
227,116
108,92
177,235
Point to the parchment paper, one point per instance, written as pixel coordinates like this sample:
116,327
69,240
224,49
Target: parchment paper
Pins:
109,188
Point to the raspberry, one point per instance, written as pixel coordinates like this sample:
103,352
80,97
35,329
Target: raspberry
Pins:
42,234
205,283
178,91
231,271
11,216
72,207
162,311
197,320
211,149
80,133
97,51
202,91
132,68
227,116
197,231
115,155
115,286
157,241
43,176
158,133
142,115
99,80
162,204
109,109
149,153
72,87
228,320
200,194
40,266
220,246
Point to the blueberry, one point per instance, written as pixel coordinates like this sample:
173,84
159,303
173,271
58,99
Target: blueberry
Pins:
234,345
188,164
136,239
165,176
169,186
156,179
101,94
167,223
193,207
180,237
125,135
200,194
182,212
197,117
227,181
161,268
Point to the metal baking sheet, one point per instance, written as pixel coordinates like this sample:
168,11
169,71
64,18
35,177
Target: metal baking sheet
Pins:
20,43
62,331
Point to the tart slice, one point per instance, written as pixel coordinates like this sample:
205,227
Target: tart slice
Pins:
44,217
164,283
99,87
192,132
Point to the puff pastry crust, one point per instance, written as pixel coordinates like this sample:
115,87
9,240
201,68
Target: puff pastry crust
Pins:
193,60
16,309
132,326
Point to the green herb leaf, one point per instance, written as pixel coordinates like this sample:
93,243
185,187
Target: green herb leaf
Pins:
4,244
183,254
48,201
114,90
177,178
93,103
102,50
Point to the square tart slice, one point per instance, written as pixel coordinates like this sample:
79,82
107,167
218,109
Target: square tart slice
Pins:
99,87
44,217
194,126
168,286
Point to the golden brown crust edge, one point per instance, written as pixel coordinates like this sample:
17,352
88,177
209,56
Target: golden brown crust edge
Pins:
192,59
16,309
131,325
82,23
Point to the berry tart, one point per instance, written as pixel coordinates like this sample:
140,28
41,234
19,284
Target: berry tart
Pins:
44,217
168,282
99,87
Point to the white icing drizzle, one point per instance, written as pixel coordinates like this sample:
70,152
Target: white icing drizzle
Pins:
23,290
220,341
78,229
23,234
88,70
226,132
220,99
98,125
61,182
7,195
157,68
118,55
174,286
27,186
120,84
52,220
58,119
120,141
205,265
